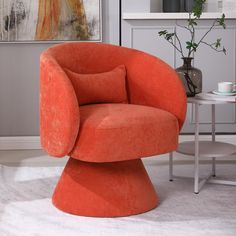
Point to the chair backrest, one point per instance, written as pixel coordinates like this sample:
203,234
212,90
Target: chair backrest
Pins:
90,57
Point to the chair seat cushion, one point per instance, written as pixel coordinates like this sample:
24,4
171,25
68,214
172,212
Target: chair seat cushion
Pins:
118,132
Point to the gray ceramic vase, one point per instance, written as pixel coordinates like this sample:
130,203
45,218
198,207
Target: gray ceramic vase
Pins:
191,77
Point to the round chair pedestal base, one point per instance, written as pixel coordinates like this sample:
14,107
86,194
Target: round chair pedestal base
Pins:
105,189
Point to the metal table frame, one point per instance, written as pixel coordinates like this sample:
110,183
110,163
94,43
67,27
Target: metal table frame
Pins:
198,183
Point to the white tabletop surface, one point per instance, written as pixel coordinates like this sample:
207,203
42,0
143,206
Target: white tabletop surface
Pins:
208,98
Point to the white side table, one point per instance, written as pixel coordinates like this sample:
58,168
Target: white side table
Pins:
205,149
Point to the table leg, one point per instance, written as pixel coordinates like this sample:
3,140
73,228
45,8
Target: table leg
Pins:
213,115
196,157
171,166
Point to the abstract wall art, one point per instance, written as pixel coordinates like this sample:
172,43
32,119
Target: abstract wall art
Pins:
50,20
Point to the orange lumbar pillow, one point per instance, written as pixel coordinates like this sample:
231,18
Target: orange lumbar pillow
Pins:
106,87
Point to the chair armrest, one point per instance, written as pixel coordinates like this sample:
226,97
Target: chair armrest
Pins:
154,83
59,109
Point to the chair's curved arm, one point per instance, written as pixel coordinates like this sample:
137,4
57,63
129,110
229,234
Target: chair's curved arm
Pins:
152,82
59,109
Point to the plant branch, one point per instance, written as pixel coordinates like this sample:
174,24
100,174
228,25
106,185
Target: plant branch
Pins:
180,45
208,31
191,44
171,42
191,23
214,48
192,41
184,27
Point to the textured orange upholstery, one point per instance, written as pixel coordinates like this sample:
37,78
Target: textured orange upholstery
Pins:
106,141
59,109
107,87
105,189
117,132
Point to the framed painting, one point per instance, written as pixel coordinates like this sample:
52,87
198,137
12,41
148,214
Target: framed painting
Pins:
50,20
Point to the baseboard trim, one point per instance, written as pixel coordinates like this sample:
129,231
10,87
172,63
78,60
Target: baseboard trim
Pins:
20,142
33,142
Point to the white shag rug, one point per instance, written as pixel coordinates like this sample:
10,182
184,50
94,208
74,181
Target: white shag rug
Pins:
26,208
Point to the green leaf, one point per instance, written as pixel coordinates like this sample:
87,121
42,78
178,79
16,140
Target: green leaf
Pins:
163,32
218,43
169,36
194,46
224,50
221,21
189,45
192,22
198,7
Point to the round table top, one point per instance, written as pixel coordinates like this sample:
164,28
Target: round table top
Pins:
205,98
207,149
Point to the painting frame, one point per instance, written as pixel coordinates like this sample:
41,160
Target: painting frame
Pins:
56,41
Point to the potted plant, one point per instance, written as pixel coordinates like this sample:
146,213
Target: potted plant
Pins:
190,76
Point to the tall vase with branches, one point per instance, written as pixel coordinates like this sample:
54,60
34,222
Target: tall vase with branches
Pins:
193,87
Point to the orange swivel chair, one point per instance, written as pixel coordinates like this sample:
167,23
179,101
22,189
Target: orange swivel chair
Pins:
107,107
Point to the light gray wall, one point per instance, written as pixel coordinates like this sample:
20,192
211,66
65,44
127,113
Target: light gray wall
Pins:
19,77
216,67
